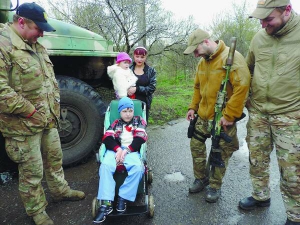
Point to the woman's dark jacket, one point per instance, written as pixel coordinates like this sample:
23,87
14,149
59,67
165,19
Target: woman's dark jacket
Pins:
150,88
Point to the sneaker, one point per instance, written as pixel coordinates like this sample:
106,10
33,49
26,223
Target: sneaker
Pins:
212,194
103,211
289,222
198,185
251,203
71,195
121,205
42,219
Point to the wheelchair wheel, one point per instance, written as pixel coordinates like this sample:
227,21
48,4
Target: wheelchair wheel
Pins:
151,206
150,176
95,206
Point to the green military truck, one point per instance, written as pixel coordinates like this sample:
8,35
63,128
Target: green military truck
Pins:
80,59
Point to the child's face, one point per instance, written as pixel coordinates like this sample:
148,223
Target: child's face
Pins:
124,64
127,114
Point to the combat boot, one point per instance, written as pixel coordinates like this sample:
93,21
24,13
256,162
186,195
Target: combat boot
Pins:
198,185
212,194
70,195
251,203
42,219
289,222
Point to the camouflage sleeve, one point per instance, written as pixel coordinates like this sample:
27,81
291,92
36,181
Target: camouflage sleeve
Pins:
10,101
250,59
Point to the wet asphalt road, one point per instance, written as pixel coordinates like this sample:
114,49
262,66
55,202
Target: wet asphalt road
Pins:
170,159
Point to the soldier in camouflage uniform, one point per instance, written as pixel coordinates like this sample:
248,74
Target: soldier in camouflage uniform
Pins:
209,76
29,111
274,106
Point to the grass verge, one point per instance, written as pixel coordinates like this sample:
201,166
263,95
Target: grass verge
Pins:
171,99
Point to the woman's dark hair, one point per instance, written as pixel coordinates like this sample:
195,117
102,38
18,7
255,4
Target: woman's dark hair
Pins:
140,51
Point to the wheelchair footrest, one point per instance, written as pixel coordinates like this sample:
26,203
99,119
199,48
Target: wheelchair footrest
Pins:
131,211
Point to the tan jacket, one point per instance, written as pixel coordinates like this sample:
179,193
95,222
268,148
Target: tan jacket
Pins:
209,76
27,82
274,62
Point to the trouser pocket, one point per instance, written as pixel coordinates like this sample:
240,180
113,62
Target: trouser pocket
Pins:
17,149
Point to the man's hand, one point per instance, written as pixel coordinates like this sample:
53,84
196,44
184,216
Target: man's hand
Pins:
224,123
190,115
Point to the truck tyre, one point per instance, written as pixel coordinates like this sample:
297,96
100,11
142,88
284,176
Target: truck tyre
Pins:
81,119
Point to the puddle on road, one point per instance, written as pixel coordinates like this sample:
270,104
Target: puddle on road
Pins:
174,177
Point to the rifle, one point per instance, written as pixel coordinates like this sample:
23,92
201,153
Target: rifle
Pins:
217,132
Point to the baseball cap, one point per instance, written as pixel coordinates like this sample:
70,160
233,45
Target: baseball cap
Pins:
35,13
195,39
265,7
125,103
122,56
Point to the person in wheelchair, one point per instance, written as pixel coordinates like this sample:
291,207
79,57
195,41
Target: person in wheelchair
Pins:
123,140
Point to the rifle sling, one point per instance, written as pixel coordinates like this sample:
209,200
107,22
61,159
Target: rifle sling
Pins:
199,136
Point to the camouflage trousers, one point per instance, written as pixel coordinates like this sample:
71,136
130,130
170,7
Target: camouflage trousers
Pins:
199,154
34,155
283,131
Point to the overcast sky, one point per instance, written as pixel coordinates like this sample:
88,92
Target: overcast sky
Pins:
203,10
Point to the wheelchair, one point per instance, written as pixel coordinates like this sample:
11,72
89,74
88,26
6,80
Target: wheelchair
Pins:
145,203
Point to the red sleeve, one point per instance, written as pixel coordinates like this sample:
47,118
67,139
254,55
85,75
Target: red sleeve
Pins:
109,138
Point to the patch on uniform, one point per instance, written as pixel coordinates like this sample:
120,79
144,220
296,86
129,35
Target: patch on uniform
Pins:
261,2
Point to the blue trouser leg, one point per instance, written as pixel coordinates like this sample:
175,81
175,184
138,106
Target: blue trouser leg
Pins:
135,169
107,183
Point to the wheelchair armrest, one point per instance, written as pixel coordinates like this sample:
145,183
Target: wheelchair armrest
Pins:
143,152
102,151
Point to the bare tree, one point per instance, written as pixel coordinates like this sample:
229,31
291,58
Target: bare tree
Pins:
236,23
166,37
118,20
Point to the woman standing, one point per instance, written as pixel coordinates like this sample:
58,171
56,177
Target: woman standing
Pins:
146,83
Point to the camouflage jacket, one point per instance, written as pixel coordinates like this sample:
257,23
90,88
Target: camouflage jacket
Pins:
27,82
274,62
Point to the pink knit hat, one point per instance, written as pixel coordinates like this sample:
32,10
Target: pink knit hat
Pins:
122,56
